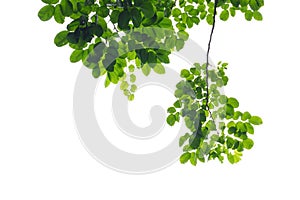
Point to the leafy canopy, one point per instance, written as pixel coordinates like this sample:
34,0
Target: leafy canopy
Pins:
91,30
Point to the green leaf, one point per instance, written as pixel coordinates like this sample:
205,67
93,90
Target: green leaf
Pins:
229,110
245,116
124,19
132,78
209,19
163,58
171,119
133,88
146,69
46,13
235,3
138,2
248,15
183,139
171,110
184,73
159,68
61,38
193,159
250,128
244,2
76,56
233,101
67,7
148,9
257,16
124,85
254,5
136,17
131,97
113,77
248,143
165,23
102,11
96,72
58,16
50,1
232,12
177,104
185,157
224,15
255,120
176,12
114,16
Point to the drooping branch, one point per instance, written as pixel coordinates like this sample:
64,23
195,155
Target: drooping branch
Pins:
207,61
208,51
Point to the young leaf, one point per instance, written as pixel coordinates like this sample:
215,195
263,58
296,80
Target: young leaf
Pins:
185,157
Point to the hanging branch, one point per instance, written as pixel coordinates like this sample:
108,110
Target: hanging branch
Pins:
207,60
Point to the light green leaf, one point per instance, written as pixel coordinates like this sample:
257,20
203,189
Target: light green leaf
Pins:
248,143
224,15
255,120
183,139
257,16
146,69
185,157
159,68
193,159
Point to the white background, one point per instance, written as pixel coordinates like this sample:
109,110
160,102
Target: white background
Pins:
41,156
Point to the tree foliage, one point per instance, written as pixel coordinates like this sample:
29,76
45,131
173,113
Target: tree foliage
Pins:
217,127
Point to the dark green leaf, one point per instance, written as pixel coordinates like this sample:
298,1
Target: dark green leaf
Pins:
136,17
124,19
114,16
102,11
148,9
